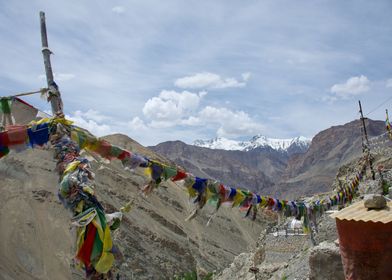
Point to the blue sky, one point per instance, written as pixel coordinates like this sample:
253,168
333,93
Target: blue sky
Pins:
186,70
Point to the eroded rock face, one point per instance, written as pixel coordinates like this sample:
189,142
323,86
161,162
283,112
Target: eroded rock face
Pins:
370,187
325,262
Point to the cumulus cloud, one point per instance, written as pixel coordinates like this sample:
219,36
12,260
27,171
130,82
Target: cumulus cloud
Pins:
388,83
211,81
227,123
118,9
231,123
137,124
171,106
92,121
353,86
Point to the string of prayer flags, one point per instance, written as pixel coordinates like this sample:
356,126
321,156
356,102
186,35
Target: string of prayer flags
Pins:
20,137
75,171
95,250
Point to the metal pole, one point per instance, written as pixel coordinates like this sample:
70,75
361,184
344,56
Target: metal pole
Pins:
54,94
367,141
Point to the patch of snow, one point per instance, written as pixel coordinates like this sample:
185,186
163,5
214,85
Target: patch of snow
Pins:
256,142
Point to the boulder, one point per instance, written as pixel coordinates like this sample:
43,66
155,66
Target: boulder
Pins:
325,262
375,201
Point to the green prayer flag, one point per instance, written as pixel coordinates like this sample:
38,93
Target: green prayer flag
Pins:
5,105
169,172
115,151
97,249
98,243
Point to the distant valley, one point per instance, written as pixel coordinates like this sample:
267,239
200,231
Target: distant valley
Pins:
289,167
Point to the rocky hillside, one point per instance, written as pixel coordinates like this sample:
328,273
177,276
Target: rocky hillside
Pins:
156,243
314,171
294,257
256,169
276,171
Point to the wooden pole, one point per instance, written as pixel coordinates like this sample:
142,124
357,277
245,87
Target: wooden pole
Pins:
367,141
54,94
388,125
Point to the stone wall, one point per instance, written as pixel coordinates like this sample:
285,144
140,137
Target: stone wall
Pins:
282,248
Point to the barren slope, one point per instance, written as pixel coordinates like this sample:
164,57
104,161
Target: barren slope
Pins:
156,242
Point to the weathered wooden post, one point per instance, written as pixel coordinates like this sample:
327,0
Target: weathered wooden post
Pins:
53,94
388,125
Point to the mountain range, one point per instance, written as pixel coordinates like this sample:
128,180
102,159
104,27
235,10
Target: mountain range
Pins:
289,167
293,145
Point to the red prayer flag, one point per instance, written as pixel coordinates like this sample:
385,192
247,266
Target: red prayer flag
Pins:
87,247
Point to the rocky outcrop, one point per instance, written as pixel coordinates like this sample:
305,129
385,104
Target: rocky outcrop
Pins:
313,171
274,257
325,262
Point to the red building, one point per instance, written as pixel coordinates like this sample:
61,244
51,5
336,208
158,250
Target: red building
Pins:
365,240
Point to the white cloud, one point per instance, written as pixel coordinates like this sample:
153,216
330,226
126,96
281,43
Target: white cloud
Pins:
91,114
353,86
171,106
191,121
137,124
59,77
231,123
91,120
118,9
388,83
211,81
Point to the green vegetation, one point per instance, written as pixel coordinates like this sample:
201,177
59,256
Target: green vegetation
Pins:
385,187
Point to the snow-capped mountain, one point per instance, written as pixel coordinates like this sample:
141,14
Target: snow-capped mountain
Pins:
258,141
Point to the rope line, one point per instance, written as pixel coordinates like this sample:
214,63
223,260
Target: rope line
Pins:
379,106
42,90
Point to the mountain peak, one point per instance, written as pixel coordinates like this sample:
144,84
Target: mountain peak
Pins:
220,143
257,141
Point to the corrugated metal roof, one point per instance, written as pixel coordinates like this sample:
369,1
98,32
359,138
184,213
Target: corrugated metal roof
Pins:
358,212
